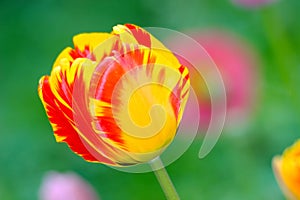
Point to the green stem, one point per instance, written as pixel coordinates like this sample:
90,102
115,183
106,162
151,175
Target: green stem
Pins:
164,179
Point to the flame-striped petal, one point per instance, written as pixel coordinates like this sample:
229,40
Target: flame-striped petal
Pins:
56,95
84,45
132,34
128,86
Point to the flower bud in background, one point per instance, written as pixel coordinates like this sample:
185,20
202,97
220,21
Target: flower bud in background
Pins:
65,186
237,64
252,3
287,171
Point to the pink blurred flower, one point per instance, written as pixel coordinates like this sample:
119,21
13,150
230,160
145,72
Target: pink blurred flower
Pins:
65,186
252,3
237,64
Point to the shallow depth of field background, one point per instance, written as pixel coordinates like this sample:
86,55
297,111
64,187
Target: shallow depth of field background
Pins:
239,167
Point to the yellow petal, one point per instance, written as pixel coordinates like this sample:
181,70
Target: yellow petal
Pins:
89,39
65,54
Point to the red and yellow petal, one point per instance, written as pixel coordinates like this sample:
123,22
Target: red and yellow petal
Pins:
65,54
63,130
56,93
92,40
84,47
64,96
132,34
169,90
86,43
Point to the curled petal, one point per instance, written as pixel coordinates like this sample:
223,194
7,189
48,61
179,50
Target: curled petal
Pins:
63,130
56,95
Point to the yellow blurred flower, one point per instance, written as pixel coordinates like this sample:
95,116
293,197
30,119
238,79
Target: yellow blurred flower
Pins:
287,171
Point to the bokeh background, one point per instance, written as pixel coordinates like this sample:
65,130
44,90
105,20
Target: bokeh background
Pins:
32,34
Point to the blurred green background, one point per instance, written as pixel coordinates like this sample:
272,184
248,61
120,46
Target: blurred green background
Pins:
34,31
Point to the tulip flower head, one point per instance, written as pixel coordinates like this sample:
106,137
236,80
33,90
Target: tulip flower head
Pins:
287,171
116,98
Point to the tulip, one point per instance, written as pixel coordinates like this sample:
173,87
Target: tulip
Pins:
115,98
287,171
62,186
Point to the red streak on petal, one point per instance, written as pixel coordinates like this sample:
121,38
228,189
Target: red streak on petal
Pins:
140,35
175,100
162,76
181,69
86,53
62,116
83,119
107,75
105,82
60,124
177,93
